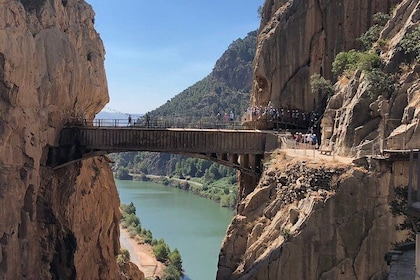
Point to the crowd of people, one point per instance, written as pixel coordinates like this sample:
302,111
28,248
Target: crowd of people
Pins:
307,138
225,117
282,115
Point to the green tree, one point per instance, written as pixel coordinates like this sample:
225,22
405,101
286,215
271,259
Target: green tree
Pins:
380,83
320,84
171,273
128,209
147,236
347,62
410,44
373,33
130,219
123,174
175,259
161,251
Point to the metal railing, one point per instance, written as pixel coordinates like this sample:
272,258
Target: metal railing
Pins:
155,124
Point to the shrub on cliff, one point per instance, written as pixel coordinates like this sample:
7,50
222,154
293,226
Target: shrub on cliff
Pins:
123,256
369,62
171,273
320,84
128,209
380,83
347,62
373,33
175,259
410,44
161,251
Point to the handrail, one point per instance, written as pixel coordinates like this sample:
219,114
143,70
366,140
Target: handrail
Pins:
154,124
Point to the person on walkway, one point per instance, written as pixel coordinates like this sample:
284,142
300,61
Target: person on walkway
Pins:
129,120
147,120
314,140
226,117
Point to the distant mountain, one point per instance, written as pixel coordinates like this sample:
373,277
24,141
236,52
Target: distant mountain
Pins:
226,88
113,115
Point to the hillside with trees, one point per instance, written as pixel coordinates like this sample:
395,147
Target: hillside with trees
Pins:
226,88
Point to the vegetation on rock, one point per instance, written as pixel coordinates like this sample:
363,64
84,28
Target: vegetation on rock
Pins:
373,33
379,82
348,62
123,256
410,44
320,84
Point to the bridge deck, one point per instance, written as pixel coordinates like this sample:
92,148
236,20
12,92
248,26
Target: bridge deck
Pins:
240,149
165,140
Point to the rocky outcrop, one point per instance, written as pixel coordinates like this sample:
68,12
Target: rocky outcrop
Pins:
55,224
298,38
357,123
312,220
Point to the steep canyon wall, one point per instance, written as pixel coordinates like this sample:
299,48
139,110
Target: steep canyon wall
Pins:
312,220
60,224
317,220
298,38
358,123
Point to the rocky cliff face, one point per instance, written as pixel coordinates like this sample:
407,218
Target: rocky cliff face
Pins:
298,38
55,224
312,220
357,123
318,220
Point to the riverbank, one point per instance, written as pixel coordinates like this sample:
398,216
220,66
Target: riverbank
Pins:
221,192
193,225
141,255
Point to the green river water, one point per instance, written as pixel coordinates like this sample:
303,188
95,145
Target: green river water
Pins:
194,225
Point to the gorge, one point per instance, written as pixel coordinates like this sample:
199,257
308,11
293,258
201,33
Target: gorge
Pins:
305,219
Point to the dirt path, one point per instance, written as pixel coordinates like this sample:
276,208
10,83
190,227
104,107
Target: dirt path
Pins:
316,155
141,255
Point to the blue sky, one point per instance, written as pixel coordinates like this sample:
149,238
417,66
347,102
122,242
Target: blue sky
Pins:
156,49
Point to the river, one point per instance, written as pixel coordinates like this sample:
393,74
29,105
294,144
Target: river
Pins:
194,225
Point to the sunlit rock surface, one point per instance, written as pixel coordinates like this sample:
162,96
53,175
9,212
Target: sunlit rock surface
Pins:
60,224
